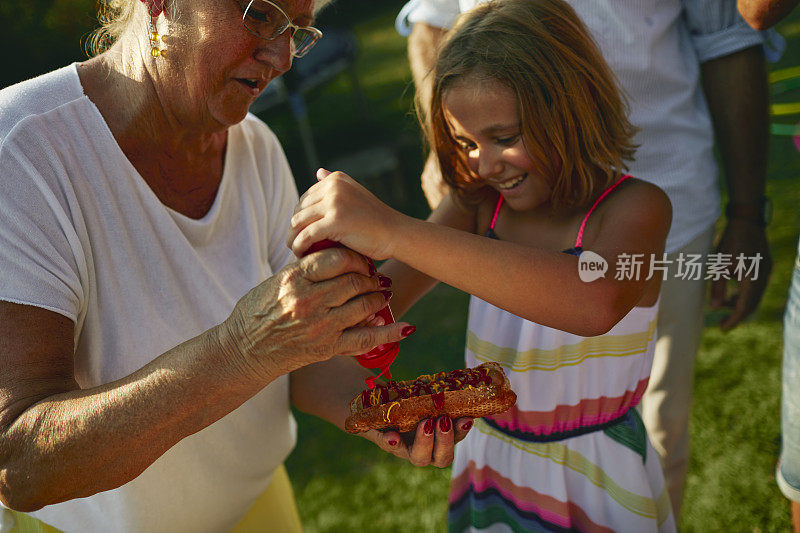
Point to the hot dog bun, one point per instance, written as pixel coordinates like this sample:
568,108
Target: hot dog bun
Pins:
400,405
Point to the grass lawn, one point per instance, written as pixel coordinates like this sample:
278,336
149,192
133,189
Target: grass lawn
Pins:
343,483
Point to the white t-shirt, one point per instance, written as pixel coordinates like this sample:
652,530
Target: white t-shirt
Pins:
83,235
655,48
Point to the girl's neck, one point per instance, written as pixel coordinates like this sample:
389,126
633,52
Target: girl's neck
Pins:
540,227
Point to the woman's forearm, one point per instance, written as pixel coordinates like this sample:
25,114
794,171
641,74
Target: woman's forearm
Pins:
78,443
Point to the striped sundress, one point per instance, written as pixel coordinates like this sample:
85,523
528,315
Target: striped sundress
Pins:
573,454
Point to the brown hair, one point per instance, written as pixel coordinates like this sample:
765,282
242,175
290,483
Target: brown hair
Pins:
573,115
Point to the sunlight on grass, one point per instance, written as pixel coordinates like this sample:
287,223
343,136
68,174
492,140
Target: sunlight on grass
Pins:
388,495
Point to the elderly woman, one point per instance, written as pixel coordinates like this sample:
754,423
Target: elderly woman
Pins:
153,328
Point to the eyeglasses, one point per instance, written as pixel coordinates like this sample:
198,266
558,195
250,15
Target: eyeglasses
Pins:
268,21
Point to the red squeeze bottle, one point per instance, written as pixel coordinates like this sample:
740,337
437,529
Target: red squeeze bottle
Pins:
381,356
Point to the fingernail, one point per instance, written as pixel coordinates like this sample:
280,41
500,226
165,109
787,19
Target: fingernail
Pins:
372,269
392,442
387,294
466,425
445,424
428,429
384,281
408,330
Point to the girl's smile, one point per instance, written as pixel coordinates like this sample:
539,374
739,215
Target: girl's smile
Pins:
510,183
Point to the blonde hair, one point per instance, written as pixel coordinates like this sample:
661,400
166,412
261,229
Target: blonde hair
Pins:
115,17
573,115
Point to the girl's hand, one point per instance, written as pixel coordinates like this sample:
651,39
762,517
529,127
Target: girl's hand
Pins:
432,443
339,209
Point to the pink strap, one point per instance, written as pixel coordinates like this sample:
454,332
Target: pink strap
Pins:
579,240
496,212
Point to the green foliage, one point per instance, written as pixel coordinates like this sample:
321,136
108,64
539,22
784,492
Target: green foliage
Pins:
37,36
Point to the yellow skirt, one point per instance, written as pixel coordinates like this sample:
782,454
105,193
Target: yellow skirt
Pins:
275,510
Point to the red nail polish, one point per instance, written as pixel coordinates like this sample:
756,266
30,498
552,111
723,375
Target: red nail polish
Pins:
383,356
392,442
445,424
467,425
408,330
428,426
384,281
387,294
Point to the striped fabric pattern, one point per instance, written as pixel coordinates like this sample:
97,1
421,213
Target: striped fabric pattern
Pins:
606,480
561,356
587,412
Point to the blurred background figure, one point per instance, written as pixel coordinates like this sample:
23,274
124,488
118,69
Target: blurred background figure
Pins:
763,14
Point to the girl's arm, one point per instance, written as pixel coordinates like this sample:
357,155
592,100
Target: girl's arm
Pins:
409,284
543,286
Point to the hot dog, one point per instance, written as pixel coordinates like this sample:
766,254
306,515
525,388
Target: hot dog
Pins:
472,392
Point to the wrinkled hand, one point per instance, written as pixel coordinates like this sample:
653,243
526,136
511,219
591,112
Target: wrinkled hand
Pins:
748,239
339,209
431,444
311,310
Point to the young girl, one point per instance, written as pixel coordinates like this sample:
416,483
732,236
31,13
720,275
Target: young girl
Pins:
531,135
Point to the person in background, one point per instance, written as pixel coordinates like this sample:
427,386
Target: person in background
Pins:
532,135
763,14
694,72
154,327
787,471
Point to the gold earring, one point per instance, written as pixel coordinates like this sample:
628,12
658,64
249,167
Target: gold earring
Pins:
155,49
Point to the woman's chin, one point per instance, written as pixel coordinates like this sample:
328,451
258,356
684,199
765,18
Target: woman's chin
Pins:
231,115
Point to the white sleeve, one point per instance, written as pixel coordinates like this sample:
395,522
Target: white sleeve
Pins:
439,13
717,29
282,200
41,258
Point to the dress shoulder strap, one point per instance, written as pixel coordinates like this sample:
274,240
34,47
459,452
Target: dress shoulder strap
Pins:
490,232
578,248
579,241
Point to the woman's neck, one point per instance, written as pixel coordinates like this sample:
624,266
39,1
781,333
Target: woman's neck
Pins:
181,163
134,101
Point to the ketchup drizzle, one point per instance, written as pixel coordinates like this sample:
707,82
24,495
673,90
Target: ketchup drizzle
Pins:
438,400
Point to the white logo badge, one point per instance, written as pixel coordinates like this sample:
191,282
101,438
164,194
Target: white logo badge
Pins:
591,266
